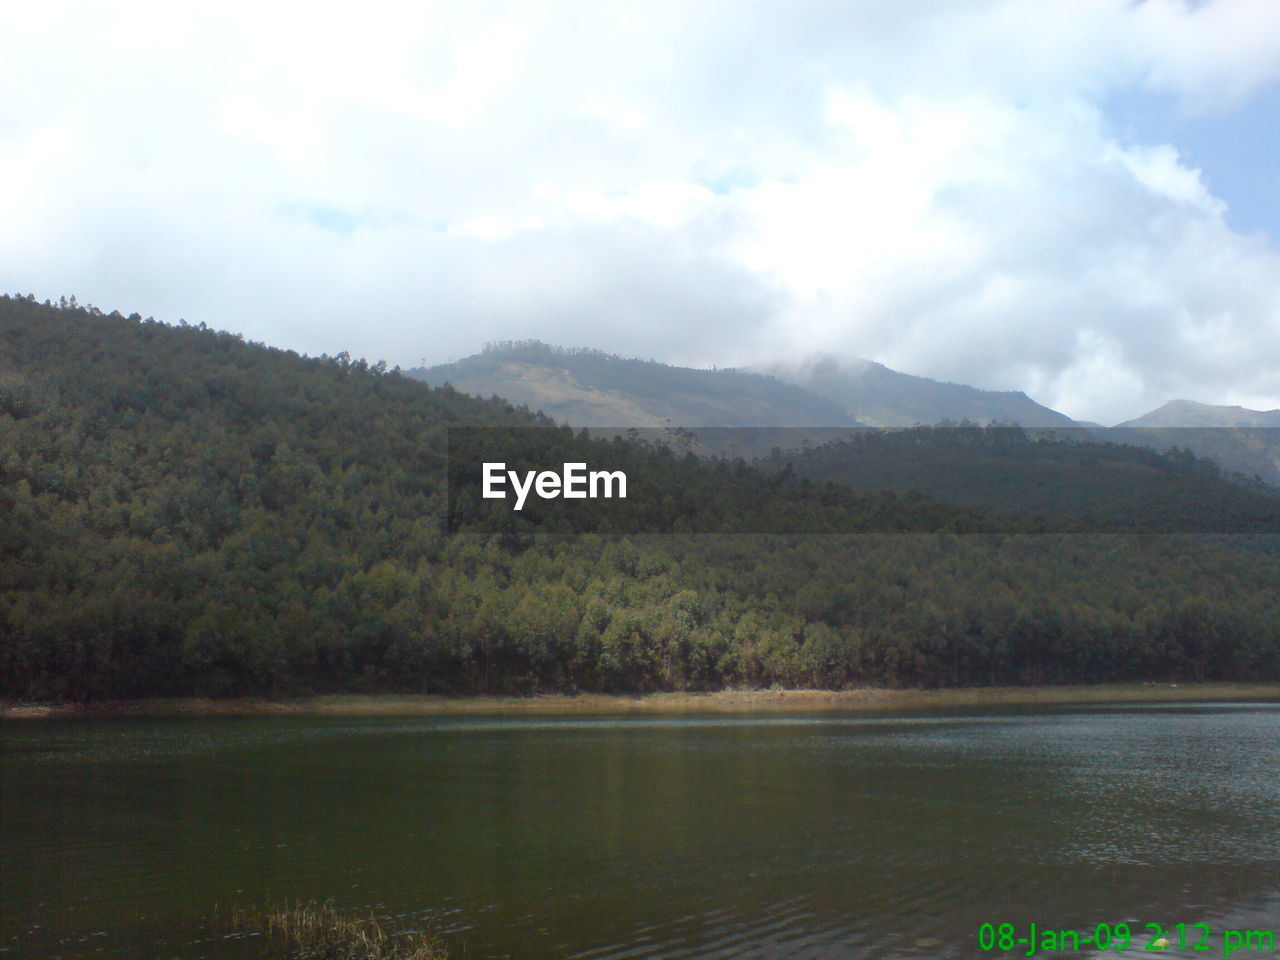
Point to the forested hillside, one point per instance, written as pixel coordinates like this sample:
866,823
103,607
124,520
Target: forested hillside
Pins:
1060,475
182,512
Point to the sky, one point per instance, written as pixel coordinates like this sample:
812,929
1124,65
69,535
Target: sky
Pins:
1079,199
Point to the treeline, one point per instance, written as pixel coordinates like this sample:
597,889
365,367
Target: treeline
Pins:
182,512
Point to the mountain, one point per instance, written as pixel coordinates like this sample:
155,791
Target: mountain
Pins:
185,513
734,413
589,388
1188,413
1243,441
873,394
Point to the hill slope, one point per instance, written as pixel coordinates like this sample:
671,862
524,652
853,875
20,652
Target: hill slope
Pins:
588,388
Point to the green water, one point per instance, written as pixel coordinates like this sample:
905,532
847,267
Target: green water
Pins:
767,837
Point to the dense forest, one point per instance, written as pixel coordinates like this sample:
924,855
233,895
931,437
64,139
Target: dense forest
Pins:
1064,476
182,512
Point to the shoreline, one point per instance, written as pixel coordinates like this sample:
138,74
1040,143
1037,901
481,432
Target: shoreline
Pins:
654,704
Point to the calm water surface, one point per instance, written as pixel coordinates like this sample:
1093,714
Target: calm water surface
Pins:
892,836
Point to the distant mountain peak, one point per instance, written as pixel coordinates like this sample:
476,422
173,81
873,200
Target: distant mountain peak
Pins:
1192,413
1243,440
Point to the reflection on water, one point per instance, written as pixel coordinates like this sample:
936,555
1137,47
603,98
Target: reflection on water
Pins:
643,838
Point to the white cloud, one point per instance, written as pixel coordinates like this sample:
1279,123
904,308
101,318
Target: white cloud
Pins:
733,181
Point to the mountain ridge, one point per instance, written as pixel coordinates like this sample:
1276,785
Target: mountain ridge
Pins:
554,380
1192,413
591,388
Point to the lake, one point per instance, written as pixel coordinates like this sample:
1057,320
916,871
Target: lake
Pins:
808,837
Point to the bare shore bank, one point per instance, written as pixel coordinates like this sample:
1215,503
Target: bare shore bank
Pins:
722,702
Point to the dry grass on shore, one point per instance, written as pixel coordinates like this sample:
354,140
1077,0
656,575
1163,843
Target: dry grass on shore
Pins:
722,702
317,931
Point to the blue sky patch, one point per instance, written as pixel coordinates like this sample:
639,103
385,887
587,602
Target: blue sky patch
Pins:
1238,152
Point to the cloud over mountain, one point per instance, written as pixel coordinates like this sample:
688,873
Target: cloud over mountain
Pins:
943,188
